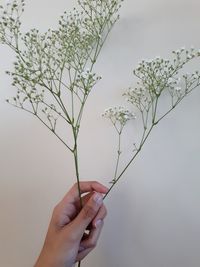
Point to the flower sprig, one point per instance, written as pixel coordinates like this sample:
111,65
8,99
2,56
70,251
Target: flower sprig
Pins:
157,78
119,116
58,64
10,22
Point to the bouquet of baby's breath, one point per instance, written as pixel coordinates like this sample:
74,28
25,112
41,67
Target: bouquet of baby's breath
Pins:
54,75
54,71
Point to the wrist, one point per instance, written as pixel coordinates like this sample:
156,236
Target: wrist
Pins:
47,259
44,260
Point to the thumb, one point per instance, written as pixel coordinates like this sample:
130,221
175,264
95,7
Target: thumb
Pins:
87,214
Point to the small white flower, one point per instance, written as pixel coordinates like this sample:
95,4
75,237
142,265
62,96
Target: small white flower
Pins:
84,75
189,56
148,61
178,80
170,80
195,76
178,88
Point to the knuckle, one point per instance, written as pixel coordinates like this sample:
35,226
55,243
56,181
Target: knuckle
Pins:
75,186
92,244
55,210
95,183
105,212
56,214
102,213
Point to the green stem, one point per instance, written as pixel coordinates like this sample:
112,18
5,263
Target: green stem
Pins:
118,157
132,159
75,153
68,147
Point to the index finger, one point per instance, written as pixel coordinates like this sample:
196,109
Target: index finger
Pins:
85,187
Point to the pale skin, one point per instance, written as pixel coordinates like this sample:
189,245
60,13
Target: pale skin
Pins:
74,232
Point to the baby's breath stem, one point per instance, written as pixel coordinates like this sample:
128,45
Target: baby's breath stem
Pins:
78,182
75,153
77,177
118,156
132,159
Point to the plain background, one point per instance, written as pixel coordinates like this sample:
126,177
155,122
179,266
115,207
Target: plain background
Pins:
154,212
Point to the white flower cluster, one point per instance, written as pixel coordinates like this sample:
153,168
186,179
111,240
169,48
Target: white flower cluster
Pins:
175,84
86,74
86,80
153,75
119,114
185,54
156,72
157,75
138,96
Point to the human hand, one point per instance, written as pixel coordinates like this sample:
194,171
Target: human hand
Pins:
67,241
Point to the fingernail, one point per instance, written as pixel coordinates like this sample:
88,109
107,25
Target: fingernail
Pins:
98,223
98,198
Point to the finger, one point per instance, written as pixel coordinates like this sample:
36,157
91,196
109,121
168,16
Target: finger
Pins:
100,216
85,199
81,255
85,187
87,245
91,240
69,210
87,214
101,213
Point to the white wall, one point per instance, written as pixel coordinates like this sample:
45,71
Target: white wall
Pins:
154,212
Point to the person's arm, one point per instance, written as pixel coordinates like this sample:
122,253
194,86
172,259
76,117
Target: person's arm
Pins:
67,240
